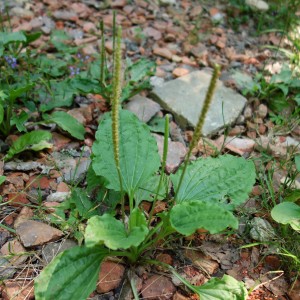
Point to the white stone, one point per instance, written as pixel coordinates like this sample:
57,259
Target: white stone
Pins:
258,4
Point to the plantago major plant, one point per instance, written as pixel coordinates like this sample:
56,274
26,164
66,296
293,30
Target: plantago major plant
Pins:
126,159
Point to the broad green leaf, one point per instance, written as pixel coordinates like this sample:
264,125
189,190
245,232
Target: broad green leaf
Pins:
110,231
93,180
157,124
31,37
73,274
225,288
222,288
62,95
139,158
85,85
19,121
3,96
10,37
1,113
226,179
67,123
287,213
2,179
147,191
52,67
189,216
137,219
81,202
140,69
15,93
292,196
35,140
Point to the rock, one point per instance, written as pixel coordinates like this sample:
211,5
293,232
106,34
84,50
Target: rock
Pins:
4,236
239,145
65,15
110,276
184,97
262,111
53,249
261,230
143,107
63,187
33,233
258,4
178,72
163,52
179,296
277,147
89,27
15,248
202,261
21,12
158,287
18,290
78,173
22,166
156,81
154,33
58,197
7,270
25,214
176,153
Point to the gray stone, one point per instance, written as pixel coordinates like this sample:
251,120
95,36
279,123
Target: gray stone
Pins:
22,12
53,249
33,233
65,15
184,97
176,153
143,107
73,170
7,271
261,230
156,81
58,197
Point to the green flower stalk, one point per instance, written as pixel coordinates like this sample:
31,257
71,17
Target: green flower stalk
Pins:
117,89
198,129
102,62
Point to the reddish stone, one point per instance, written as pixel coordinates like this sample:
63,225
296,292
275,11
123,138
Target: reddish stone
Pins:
62,187
178,72
26,213
158,287
163,52
17,199
39,182
59,141
18,290
165,258
110,276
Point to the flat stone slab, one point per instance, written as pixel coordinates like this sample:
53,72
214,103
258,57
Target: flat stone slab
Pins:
144,108
184,98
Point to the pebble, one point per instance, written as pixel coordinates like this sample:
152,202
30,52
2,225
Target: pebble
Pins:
144,108
53,249
58,197
33,233
262,111
158,287
163,52
110,276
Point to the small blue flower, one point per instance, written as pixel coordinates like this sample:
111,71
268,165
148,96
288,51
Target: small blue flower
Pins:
11,61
